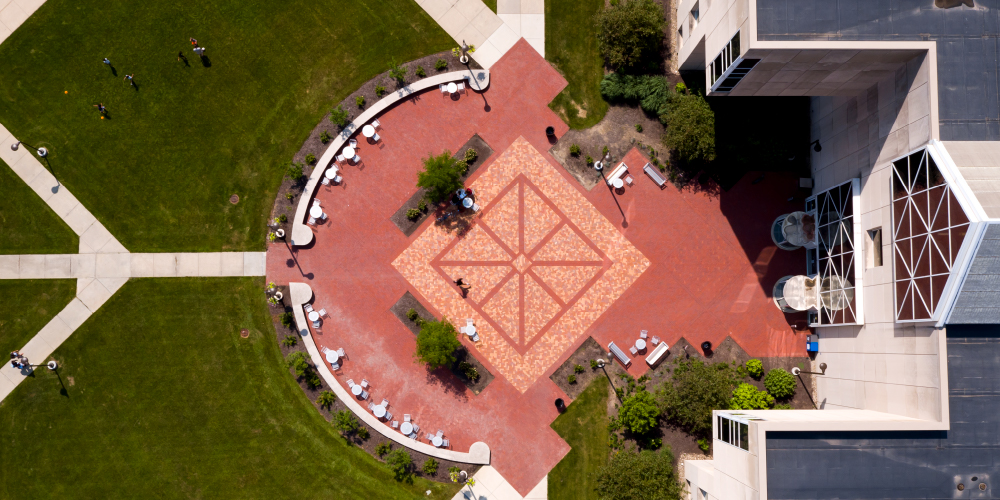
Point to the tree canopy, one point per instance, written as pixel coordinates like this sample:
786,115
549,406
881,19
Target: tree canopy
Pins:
441,177
639,412
694,390
631,33
748,397
436,343
638,476
780,383
690,128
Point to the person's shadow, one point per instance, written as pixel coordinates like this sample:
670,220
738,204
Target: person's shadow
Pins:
206,62
113,70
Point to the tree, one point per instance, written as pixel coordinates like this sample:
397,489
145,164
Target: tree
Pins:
748,397
694,390
639,412
326,399
630,32
441,176
634,475
780,383
401,464
345,422
436,343
690,128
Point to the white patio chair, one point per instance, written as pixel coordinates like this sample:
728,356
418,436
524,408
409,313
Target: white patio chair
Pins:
440,433
323,216
325,181
371,406
353,143
655,340
308,307
395,424
388,416
356,159
463,330
322,313
443,87
341,353
475,337
445,443
325,349
364,394
468,322
406,417
317,323
376,124
461,87
311,221
350,382
364,383
315,202
340,158
643,334
385,402
475,207
335,366
415,428
628,180
430,436
337,179
377,137
633,350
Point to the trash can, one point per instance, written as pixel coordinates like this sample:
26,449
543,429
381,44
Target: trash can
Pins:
812,343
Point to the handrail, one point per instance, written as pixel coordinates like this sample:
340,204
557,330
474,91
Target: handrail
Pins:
299,294
478,79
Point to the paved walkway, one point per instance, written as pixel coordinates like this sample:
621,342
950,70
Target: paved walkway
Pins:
15,12
492,34
490,485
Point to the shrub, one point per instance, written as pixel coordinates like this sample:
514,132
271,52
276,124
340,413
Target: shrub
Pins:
462,166
643,474
363,433
397,72
454,471
578,369
571,378
420,72
325,137
441,176
282,218
694,390
295,171
604,151
412,314
287,319
653,443
400,463
383,449
755,368
780,383
630,33
422,205
593,364
748,397
345,422
590,161
470,155
690,128
652,93
412,214
638,127
469,370
289,341
360,100
703,444
380,90
326,399
297,362
639,412
782,406
441,65
289,196
574,149
680,88
436,343
339,116
430,467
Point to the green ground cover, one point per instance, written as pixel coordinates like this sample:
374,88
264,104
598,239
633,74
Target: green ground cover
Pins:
160,171
27,306
584,426
492,4
571,46
27,224
158,395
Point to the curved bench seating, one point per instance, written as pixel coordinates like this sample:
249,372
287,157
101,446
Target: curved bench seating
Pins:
301,293
477,79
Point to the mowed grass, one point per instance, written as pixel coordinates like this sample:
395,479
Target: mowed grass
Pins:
584,426
27,306
27,224
160,171
492,4
159,396
571,46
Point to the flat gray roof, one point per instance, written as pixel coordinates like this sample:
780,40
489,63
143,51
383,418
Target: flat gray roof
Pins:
966,38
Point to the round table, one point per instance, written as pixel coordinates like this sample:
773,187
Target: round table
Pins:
348,152
406,428
368,131
452,88
467,202
356,389
331,173
313,315
437,441
470,330
640,344
332,357
316,212
617,183
379,411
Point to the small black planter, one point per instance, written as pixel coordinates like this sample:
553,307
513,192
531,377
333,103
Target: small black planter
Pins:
550,131
560,405
707,347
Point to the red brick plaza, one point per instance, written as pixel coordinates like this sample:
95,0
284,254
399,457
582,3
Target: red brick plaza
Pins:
550,264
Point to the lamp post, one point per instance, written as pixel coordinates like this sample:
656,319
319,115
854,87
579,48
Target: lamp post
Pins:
822,367
601,363
599,166
42,152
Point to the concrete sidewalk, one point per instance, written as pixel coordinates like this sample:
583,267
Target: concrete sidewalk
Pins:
492,34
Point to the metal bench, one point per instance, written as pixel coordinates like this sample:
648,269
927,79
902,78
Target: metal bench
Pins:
658,354
619,354
654,173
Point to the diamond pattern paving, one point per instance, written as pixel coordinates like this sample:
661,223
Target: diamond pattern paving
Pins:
504,220
566,281
543,308
566,245
485,278
539,219
504,307
476,245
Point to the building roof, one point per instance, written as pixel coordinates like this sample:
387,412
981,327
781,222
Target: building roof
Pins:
966,38
978,300
886,464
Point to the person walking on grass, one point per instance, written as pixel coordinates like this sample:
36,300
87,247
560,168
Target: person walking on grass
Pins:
130,80
107,61
194,42
181,57
100,107
200,51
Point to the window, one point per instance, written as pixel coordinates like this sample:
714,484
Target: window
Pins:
693,18
928,227
724,60
729,56
733,432
873,248
835,249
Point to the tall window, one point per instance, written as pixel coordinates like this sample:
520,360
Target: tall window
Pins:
724,60
835,248
928,228
733,432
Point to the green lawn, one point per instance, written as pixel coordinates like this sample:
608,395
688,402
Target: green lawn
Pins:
585,427
27,306
492,4
570,45
160,171
27,224
163,398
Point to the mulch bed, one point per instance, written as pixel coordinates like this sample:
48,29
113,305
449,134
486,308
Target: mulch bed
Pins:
375,437
408,226
404,304
589,350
